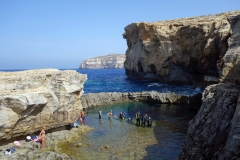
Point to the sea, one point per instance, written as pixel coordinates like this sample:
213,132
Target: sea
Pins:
123,139
115,80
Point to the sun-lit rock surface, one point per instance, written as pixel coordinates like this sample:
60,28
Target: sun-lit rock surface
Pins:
185,51
108,61
96,99
34,98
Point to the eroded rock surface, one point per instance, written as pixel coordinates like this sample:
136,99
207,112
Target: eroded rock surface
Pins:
97,99
108,61
34,98
214,132
185,51
53,147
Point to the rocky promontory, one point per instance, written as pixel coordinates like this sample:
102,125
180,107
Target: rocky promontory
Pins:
205,52
108,61
183,51
32,99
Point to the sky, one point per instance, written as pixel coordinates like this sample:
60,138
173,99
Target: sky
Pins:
36,34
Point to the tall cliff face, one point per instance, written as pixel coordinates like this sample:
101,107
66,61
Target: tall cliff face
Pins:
185,51
35,98
108,61
214,132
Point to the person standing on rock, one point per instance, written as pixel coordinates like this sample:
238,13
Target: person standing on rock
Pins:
82,117
42,137
100,114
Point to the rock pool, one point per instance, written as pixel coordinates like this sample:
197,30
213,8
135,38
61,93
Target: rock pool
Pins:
120,139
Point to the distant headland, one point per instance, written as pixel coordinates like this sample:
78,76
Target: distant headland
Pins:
104,62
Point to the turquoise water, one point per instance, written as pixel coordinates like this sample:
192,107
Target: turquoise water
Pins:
120,139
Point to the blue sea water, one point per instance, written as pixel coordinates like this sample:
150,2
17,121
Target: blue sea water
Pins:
115,80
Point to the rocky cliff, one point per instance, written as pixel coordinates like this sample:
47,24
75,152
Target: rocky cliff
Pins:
108,61
34,98
183,51
214,132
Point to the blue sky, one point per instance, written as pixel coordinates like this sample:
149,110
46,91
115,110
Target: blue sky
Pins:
61,34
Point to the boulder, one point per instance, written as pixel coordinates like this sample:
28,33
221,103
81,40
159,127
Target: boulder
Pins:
34,98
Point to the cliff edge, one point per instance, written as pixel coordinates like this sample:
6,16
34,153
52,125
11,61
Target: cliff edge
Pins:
108,61
182,51
214,131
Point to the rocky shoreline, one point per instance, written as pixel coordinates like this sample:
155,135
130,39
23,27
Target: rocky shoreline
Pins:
95,99
31,150
52,150
53,98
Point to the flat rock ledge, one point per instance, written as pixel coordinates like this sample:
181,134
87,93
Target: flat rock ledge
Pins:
96,99
31,150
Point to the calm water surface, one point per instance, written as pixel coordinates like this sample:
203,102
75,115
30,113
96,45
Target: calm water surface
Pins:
127,141
115,80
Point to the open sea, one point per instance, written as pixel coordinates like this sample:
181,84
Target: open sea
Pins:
115,80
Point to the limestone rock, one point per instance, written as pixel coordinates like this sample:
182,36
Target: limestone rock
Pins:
214,131
184,51
108,61
96,99
34,98
31,150
230,70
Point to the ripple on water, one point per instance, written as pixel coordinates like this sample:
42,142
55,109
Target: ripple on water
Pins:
116,139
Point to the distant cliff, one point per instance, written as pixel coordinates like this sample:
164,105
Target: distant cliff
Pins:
108,61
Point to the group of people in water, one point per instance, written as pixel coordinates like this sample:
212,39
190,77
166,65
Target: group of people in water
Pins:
144,120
